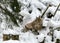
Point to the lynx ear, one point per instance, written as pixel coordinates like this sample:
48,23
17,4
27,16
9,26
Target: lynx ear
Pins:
36,18
39,17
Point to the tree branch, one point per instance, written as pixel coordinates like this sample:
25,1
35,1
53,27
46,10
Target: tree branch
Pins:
7,12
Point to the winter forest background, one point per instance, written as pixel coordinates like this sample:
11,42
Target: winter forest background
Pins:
35,21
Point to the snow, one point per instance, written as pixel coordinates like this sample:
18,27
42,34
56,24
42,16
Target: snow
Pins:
11,41
52,2
9,8
41,37
10,31
54,23
48,39
29,37
38,4
24,12
57,34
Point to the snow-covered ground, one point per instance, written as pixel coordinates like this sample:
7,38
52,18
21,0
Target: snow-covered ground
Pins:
29,37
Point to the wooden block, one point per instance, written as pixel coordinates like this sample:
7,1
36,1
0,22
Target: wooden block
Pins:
15,37
6,37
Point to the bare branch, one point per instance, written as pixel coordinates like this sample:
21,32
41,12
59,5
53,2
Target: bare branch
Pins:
45,10
56,10
7,12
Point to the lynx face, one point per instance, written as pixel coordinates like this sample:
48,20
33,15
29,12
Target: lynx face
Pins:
35,25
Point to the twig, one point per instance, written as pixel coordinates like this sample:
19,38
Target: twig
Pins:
45,11
56,10
7,12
